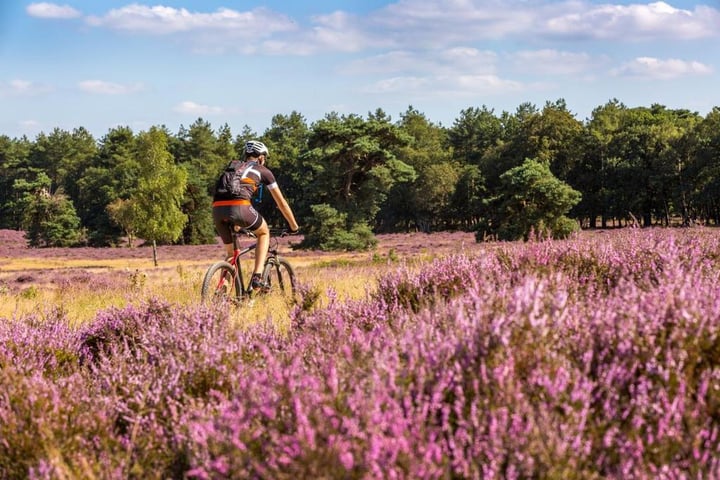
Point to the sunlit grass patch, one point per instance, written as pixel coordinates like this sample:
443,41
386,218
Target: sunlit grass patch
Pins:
82,282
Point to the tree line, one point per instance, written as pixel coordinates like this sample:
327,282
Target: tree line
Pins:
349,177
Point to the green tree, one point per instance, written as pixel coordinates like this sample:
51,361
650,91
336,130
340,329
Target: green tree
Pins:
592,173
474,132
159,193
14,166
27,190
642,173
328,230
287,140
64,156
532,200
352,164
510,150
197,205
466,201
113,175
204,156
122,212
434,189
704,169
51,221
408,201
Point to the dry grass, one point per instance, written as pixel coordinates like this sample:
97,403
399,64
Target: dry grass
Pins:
80,282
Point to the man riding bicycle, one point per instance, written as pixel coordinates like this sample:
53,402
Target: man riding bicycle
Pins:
232,204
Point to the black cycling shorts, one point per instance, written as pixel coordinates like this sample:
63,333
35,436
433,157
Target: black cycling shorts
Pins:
225,217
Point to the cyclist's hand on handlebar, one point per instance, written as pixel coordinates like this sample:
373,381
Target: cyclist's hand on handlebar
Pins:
294,232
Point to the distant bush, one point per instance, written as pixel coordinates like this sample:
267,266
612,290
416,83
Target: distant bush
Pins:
330,230
531,201
51,221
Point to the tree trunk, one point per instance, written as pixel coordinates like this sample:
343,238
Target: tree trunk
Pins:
155,260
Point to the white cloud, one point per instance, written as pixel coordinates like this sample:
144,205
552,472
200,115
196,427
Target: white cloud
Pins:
393,61
161,20
446,85
19,87
398,84
52,10
491,84
335,32
29,124
649,67
413,25
636,22
446,22
456,71
468,59
457,59
193,108
108,88
340,31
452,20
554,62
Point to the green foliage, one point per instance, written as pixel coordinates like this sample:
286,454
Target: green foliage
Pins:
14,168
407,204
160,189
467,198
329,230
121,212
25,191
51,221
287,140
434,189
204,154
532,200
31,292
353,160
197,205
473,132
64,155
704,145
112,176
653,164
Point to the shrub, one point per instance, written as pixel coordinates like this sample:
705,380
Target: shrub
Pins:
329,229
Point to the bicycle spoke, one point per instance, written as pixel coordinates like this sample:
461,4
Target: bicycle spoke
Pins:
219,284
280,279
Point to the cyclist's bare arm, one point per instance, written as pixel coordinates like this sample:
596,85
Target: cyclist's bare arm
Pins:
284,208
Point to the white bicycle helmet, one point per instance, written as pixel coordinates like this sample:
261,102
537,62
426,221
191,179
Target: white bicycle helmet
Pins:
254,148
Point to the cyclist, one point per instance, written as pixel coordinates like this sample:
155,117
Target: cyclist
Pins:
235,208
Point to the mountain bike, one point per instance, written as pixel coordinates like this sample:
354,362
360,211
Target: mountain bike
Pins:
224,281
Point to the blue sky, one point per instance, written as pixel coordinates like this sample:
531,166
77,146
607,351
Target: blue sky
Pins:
102,64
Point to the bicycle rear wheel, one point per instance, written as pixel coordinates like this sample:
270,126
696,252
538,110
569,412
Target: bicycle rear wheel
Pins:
279,278
220,284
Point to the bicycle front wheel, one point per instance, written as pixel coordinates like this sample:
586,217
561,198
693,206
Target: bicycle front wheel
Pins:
220,284
279,278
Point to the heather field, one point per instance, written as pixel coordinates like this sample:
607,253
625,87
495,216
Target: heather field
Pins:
77,282
433,357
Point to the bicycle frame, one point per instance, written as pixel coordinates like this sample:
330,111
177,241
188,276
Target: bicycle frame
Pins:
235,262
239,251
277,274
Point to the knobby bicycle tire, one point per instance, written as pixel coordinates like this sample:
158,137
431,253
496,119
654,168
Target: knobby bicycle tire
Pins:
220,284
279,278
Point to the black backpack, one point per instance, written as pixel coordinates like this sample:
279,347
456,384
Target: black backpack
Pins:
229,184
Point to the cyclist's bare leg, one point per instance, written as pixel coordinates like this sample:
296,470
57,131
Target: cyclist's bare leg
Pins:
263,243
229,250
